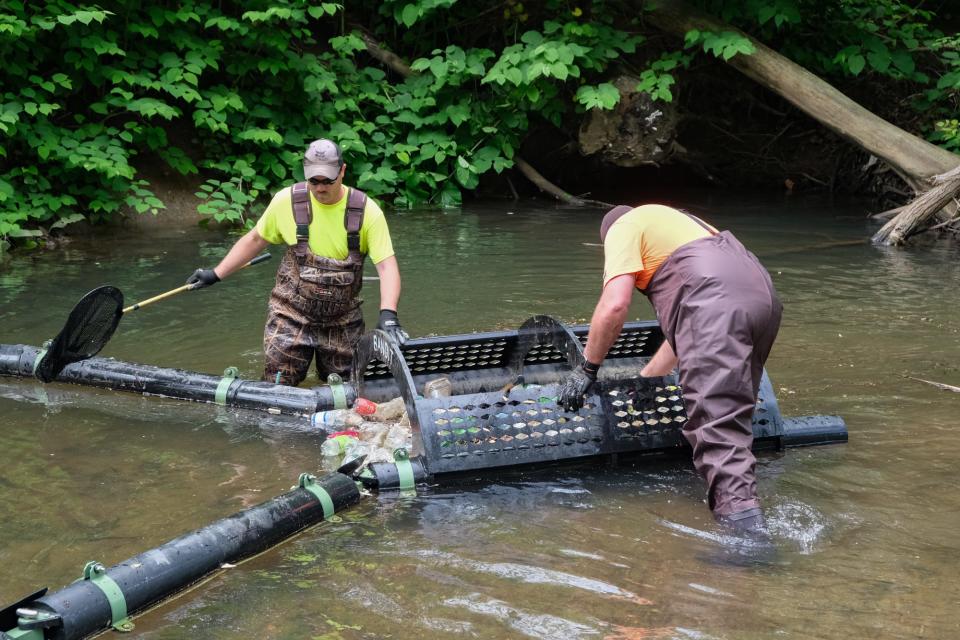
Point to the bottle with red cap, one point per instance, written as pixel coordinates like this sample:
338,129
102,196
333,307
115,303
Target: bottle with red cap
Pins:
365,407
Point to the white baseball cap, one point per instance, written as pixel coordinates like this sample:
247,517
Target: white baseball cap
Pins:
322,159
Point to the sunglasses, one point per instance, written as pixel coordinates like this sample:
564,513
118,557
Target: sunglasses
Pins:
321,181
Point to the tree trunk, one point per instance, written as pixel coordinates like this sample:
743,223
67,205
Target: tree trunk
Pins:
913,158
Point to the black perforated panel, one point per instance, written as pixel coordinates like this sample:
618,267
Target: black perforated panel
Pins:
450,354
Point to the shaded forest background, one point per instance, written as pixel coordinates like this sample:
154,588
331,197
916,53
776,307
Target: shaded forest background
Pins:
434,101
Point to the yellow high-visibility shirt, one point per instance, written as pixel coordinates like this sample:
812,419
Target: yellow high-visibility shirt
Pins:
328,236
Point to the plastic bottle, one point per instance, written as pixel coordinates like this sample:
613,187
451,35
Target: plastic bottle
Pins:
338,442
336,419
365,407
355,449
438,388
397,438
373,432
389,411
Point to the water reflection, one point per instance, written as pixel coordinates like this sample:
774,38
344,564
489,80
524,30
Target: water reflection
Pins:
866,532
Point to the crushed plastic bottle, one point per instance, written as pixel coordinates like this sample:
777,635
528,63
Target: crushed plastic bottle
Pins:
399,437
336,419
338,442
374,432
438,388
390,411
356,449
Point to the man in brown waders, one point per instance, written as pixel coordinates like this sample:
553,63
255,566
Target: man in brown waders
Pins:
314,309
719,314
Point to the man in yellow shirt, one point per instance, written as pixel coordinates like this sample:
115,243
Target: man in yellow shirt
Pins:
720,316
314,310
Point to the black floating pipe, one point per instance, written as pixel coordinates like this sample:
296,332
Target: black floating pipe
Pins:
807,431
83,608
388,476
18,360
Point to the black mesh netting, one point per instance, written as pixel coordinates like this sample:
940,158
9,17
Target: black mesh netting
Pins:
89,327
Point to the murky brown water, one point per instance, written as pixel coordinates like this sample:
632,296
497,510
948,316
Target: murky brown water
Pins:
867,531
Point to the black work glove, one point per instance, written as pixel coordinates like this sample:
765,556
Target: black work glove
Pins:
577,385
391,325
203,278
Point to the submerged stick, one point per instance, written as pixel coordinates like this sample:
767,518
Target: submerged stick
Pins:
938,385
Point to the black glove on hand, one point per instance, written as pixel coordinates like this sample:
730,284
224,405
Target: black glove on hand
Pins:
578,384
391,325
203,278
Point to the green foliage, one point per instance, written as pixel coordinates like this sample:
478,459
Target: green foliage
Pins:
947,133
657,79
723,45
234,91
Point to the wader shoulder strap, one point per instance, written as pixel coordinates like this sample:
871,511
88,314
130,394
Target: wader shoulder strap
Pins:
353,221
701,223
302,216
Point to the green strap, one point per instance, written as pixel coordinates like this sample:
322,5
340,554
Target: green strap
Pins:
229,375
338,391
25,634
404,470
309,483
96,574
36,361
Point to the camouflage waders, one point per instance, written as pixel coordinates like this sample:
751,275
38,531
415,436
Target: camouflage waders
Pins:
314,309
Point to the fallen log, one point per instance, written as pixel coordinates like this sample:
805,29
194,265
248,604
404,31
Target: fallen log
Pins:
913,158
915,215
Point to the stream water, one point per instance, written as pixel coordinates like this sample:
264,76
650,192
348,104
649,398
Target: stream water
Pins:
866,531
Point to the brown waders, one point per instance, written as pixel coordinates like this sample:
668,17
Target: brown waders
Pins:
720,313
314,309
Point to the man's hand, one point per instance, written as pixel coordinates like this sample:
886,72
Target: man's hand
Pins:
656,371
390,324
662,363
577,385
203,278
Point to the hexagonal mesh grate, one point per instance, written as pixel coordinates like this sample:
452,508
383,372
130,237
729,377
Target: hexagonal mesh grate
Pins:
487,430
490,350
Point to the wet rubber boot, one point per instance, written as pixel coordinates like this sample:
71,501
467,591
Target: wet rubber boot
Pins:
749,523
754,546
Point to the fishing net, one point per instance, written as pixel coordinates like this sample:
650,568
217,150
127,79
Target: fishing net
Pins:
89,327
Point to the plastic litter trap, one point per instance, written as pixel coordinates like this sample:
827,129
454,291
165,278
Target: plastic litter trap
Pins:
503,411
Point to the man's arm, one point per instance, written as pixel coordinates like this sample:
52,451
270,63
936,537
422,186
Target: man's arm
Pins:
245,250
389,272
609,316
662,362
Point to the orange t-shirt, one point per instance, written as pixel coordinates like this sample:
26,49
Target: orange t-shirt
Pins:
642,239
